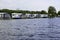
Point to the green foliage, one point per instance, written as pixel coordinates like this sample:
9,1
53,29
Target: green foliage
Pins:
51,11
19,11
43,12
58,12
38,12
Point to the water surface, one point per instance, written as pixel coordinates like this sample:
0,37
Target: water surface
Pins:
30,29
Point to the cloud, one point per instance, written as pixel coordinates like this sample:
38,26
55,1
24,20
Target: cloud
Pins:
29,4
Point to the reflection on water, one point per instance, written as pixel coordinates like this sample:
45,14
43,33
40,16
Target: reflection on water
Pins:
30,29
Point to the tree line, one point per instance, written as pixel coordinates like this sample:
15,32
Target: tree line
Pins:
51,11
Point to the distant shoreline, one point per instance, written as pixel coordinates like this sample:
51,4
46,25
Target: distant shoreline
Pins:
27,18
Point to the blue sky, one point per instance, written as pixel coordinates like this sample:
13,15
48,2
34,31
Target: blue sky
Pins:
35,5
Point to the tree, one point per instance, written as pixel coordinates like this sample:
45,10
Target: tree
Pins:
51,11
43,12
58,12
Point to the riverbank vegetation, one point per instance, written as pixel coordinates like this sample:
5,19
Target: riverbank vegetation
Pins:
51,11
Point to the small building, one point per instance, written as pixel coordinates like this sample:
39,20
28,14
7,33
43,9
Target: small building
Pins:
58,15
4,15
35,15
38,16
16,15
30,15
44,15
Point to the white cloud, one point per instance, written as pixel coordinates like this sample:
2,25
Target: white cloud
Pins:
29,4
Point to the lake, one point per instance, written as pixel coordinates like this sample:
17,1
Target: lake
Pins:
30,29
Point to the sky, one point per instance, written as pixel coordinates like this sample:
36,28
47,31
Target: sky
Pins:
33,5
